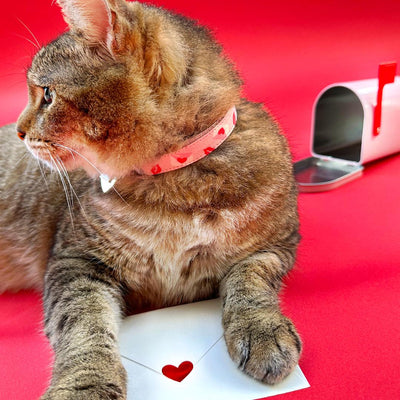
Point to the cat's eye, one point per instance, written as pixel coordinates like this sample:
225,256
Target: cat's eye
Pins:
47,95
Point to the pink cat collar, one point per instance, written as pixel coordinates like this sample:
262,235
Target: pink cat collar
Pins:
197,148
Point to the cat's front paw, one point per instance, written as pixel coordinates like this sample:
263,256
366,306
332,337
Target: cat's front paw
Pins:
264,345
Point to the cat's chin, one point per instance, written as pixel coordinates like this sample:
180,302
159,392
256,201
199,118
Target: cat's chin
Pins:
56,162
61,158
59,164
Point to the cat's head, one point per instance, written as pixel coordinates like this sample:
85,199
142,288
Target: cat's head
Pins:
126,84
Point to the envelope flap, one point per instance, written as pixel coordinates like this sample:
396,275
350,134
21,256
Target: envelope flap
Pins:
171,335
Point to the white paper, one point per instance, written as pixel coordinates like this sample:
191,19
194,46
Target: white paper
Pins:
171,335
191,332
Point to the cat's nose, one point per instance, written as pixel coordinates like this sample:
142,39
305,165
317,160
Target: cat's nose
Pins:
21,134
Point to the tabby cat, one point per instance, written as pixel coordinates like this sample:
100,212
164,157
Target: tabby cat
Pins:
127,85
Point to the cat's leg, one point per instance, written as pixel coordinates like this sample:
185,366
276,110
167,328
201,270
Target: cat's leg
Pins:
82,312
260,340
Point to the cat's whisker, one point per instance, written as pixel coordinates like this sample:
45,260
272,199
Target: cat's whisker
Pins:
27,39
22,158
67,194
42,173
72,151
120,196
67,181
67,177
12,74
36,41
28,166
64,174
56,166
80,155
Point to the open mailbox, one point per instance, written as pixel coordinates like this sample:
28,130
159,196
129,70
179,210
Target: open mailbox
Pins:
352,123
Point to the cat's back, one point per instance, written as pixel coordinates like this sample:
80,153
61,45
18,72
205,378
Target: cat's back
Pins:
17,169
23,182
29,200
11,151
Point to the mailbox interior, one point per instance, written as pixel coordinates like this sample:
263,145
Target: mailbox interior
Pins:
338,125
336,144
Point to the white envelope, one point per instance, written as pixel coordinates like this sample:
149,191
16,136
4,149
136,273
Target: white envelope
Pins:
190,334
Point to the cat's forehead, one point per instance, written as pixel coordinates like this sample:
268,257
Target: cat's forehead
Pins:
65,60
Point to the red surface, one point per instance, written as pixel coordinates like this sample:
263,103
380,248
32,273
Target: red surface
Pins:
344,295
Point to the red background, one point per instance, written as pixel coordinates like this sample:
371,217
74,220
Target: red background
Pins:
344,295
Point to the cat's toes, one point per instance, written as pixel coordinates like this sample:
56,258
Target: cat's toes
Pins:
265,346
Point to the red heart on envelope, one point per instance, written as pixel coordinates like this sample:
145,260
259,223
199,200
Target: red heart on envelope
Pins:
178,373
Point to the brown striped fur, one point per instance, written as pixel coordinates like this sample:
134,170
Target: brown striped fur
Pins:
129,83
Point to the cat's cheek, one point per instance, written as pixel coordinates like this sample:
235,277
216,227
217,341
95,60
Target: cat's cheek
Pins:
75,161
70,163
87,159
39,152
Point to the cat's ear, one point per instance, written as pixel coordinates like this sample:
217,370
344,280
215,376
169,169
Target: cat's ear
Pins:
96,20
